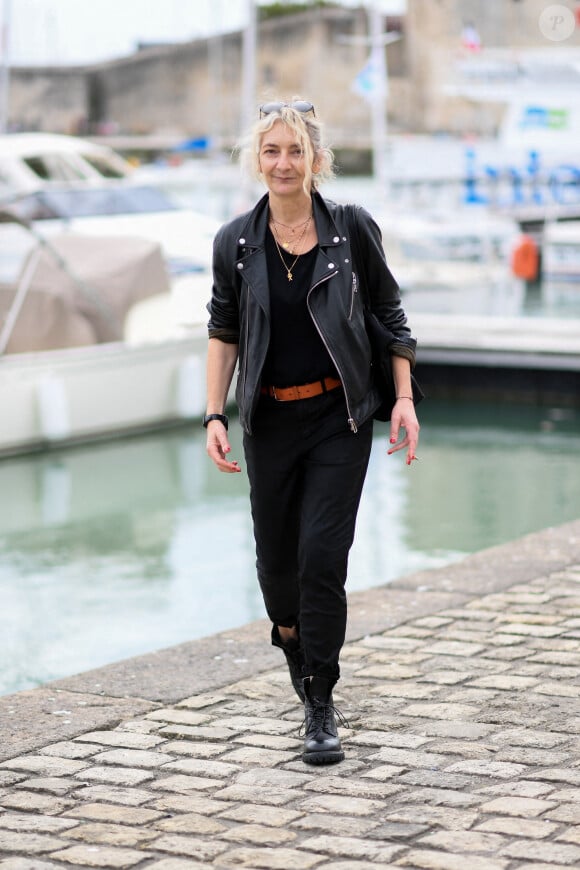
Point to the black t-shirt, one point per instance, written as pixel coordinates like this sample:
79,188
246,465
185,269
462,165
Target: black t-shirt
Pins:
296,353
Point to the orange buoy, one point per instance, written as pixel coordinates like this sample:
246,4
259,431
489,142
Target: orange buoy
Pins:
525,259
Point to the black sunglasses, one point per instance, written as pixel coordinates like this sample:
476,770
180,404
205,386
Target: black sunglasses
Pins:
301,106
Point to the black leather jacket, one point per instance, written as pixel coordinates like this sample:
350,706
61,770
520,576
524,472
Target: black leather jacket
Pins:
239,307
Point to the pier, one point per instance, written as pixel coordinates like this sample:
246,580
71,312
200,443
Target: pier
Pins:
509,358
462,692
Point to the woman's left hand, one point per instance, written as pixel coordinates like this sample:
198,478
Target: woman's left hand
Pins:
404,417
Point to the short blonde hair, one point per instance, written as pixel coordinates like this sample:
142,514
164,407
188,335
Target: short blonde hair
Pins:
308,131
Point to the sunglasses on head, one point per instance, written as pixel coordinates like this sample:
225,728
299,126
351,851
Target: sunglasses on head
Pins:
301,106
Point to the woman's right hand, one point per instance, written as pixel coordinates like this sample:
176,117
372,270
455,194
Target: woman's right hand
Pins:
218,447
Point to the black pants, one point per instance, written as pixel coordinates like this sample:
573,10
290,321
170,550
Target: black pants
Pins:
306,471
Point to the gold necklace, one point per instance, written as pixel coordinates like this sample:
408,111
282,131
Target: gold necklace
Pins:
287,268
286,245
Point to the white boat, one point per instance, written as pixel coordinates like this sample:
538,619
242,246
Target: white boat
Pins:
80,358
458,264
561,252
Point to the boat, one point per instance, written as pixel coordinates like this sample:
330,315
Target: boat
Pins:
84,351
460,264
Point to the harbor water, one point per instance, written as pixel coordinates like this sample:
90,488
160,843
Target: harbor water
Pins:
117,549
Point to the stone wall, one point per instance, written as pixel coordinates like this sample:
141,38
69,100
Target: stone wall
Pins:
194,89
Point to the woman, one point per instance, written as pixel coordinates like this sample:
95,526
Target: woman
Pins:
286,307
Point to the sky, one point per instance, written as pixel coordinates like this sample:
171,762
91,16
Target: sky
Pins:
87,31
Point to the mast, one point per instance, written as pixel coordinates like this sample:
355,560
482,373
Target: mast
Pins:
5,64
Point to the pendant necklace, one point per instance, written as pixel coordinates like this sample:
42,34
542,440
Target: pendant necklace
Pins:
291,242
288,268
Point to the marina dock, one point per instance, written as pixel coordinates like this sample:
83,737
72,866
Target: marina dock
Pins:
461,688
514,358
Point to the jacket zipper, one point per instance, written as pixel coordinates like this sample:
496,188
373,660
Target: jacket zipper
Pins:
351,421
354,291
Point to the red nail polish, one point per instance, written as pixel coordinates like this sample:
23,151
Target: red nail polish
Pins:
393,440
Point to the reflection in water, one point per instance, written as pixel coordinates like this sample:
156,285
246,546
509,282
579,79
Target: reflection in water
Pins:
118,549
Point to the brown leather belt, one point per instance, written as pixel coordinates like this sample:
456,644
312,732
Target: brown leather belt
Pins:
304,391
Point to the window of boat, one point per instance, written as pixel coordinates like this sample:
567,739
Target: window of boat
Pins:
105,166
105,201
54,167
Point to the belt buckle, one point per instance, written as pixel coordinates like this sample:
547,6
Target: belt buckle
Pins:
274,396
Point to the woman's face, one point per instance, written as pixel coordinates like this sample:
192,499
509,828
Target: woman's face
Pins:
282,161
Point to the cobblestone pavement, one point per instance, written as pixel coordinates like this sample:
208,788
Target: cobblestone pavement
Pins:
464,750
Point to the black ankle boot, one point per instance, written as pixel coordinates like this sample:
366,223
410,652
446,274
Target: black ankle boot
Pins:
292,649
321,741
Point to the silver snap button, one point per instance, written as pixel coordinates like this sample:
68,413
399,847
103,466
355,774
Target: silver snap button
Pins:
347,260
331,265
242,241
344,238
336,240
240,265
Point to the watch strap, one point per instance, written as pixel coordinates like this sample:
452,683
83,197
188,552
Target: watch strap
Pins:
209,417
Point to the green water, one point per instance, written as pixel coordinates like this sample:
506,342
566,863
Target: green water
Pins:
122,548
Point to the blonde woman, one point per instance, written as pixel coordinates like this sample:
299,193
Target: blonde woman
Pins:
286,308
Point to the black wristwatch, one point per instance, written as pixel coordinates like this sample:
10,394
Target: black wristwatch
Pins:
209,417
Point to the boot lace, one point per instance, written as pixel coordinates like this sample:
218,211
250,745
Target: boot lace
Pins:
319,717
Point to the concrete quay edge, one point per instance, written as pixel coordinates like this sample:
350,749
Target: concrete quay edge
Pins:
101,698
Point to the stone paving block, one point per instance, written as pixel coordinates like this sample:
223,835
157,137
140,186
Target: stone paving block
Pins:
540,850
464,748
396,831
202,767
263,795
69,749
201,732
533,757
178,864
454,648
115,775
116,813
504,682
529,737
388,672
408,758
334,824
199,702
32,802
463,841
564,813
533,630
523,788
190,823
177,716
570,835
102,833
395,644
177,803
194,847
276,778
133,758
456,730
259,835
124,739
518,827
440,797
270,741
35,823
108,857
45,765
184,784
257,756
441,711
558,689
28,843
428,860
256,723
410,690
346,806
26,864
54,784
384,772
351,847
559,774
10,777
281,858
364,788
446,678
498,769
193,748
131,797
264,815
436,779
440,817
